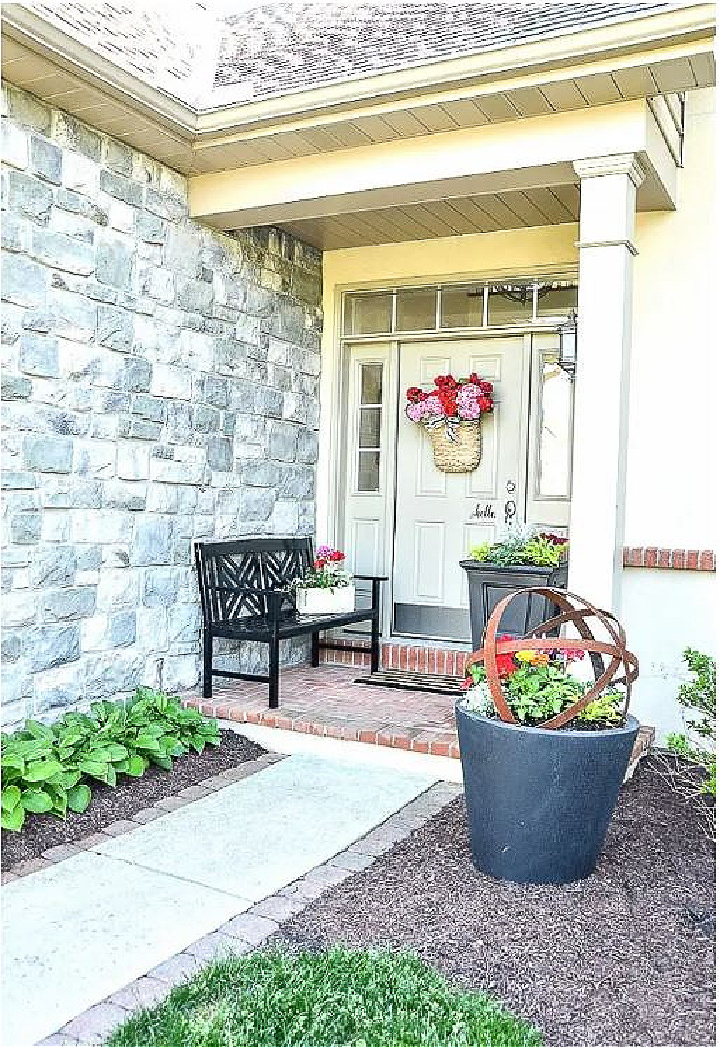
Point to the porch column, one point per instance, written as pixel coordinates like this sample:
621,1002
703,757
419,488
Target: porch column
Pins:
606,250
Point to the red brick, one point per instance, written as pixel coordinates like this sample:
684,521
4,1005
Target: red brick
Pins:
663,558
384,739
252,717
707,560
420,746
400,741
650,557
678,559
692,558
455,751
440,748
368,736
238,714
283,722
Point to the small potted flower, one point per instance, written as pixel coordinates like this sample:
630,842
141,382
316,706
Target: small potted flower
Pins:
326,587
526,558
545,746
451,414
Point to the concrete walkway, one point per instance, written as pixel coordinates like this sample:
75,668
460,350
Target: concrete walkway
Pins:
78,932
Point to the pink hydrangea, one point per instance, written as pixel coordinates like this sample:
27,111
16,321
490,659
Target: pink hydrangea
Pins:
416,412
468,401
434,405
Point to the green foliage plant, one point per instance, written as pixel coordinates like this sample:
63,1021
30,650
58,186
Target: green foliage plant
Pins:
699,695
50,769
536,693
368,998
523,546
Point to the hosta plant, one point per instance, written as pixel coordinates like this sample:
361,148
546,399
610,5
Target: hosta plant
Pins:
50,769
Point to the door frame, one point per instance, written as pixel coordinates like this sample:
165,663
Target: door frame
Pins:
391,426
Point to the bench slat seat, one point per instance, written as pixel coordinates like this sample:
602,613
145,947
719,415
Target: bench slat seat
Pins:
245,596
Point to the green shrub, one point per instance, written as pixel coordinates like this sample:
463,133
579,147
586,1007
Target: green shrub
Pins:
700,696
47,769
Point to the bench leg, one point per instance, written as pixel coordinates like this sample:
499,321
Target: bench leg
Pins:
207,664
315,654
375,631
274,672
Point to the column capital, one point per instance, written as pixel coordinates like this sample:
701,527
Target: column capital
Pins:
620,163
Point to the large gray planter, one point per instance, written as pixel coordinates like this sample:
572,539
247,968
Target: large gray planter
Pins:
489,584
539,802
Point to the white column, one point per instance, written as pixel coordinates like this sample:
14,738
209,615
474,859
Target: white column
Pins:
607,220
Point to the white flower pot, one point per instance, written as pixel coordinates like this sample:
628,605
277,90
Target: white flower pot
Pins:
325,601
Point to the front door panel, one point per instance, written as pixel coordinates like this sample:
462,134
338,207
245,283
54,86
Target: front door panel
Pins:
439,516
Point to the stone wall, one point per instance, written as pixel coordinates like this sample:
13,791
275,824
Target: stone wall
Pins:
160,383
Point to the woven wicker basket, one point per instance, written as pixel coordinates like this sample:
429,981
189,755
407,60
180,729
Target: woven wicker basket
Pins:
460,453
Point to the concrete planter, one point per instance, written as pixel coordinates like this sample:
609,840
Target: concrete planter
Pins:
489,584
539,802
325,601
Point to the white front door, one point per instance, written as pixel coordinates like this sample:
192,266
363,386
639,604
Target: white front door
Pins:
440,516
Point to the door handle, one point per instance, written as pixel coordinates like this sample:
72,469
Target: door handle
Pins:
510,511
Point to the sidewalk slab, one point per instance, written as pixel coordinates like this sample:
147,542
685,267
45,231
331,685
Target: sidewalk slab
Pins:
83,928
258,835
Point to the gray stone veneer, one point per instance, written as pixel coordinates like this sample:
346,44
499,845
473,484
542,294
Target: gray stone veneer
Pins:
160,384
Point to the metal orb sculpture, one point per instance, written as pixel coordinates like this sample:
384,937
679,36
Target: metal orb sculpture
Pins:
621,668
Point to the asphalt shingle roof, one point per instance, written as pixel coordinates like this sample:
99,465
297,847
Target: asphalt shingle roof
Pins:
206,48
278,48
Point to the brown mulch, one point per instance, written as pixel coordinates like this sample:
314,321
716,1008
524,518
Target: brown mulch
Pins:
622,959
128,797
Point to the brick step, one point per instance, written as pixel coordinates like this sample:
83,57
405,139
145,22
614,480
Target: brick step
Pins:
442,661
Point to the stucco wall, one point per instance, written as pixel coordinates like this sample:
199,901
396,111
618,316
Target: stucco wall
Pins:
671,499
160,384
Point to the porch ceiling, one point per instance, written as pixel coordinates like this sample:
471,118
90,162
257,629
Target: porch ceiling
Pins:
451,217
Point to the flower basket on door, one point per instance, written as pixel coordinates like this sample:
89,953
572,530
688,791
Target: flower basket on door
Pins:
452,416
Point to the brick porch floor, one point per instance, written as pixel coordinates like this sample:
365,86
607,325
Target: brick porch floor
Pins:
326,701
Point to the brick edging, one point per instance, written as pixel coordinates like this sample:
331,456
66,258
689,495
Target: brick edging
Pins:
164,805
251,929
653,557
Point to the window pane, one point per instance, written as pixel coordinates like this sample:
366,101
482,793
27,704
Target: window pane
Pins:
371,383
461,307
368,471
555,421
368,313
370,427
416,309
509,304
556,301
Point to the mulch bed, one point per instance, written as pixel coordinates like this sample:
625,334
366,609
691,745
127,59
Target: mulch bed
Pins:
622,959
128,797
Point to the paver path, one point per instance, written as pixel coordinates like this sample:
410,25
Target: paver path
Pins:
77,932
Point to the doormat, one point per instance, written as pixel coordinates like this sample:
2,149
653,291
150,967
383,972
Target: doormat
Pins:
408,681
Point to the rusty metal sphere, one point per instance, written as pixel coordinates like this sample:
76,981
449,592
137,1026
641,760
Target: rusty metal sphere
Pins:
621,668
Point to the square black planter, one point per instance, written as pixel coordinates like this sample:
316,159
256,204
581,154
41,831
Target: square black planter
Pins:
489,584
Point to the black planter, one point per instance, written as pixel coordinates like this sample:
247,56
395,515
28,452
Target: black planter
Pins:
539,802
489,584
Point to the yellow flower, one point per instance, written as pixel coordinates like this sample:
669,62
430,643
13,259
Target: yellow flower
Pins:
526,656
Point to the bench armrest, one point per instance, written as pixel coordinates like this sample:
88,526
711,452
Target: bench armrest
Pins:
251,590
371,577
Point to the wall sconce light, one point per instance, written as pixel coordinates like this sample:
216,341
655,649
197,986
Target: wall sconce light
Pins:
567,358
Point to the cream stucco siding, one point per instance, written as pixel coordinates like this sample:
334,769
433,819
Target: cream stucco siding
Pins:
671,495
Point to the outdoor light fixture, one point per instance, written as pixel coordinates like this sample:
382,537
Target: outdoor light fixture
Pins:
567,358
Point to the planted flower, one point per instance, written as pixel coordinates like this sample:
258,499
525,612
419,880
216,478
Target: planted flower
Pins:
540,685
523,546
326,587
451,414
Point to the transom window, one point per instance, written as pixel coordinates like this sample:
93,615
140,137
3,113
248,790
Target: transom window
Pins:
455,307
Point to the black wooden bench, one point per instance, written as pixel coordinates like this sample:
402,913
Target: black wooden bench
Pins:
245,595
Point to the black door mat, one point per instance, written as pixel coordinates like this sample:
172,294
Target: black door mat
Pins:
408,681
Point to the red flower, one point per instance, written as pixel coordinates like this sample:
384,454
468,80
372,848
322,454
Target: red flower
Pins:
446,381
319,564
448,399
485,403
336,555
416,395
506,664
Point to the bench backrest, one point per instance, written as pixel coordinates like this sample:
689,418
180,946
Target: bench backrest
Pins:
229,572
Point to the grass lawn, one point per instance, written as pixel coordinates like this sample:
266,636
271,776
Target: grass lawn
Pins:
338,997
